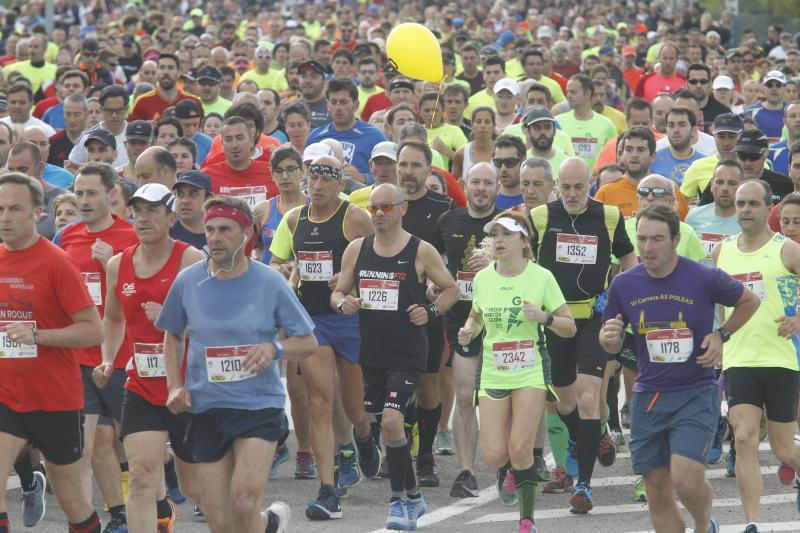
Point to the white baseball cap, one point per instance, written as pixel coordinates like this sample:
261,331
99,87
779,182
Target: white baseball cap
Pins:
722,82
384,149
509,223
153,193
544,31
508,84
316,150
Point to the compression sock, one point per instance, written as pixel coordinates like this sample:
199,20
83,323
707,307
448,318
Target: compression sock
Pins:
90,525
538,452
428,425
586,448
5,526
571,422
558,438
412,490
170,476
612,399
24,470
525,481
118,511
397,457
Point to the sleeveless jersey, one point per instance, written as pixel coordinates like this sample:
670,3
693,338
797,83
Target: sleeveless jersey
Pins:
757,343
145,368
271,220
387,287
318,247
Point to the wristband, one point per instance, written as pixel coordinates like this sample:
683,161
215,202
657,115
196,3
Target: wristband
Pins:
278,349
433,312
548,321
35,335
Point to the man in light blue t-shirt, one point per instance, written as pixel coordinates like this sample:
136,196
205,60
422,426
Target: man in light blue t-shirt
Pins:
235,311
674,159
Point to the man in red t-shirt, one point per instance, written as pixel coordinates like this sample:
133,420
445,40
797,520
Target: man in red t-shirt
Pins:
665,80
45,312
90,244
151,105
238,175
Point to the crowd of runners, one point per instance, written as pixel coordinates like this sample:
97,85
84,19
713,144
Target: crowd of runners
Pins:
208,208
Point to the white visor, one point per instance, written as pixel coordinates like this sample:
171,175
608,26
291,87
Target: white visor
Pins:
509,223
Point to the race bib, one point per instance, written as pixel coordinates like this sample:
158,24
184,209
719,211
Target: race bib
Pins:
584,146
251,195
708,240
464,280
92,282
513,355
315,266
753,281
379,295
149,360
15,350
670,345
578,249
224,363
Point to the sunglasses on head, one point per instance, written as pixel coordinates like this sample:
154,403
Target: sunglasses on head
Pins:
508,162
657,192
747,156
698,82
386,208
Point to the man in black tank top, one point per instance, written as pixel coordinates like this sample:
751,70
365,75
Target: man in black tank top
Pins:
390,271
424,209
320,232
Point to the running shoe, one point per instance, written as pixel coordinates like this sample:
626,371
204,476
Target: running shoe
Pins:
304,466
443,442
752,528
278,515
167,524
581,500
415,508
198,513
713,527
571,463
349,475
175,495
639,494
326,506
606,452
369,457
398,516
507,488
786,474
116,525
526,525
465,486
280,457
619,441
540,469
731,463
427,475
625,416
560,482
34,502
715,452
341,492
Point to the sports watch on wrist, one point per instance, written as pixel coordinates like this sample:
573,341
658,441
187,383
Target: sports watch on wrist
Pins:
724,333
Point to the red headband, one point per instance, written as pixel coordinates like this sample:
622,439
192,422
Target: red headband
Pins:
225,211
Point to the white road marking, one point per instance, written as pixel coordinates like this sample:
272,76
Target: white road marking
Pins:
716,473
762,447
765,527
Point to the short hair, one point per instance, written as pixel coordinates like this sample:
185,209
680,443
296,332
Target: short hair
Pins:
413,129
64,198
336,85
345,53
114,91
730,163
431,95
226,70
35,188
246,111
791,199
319,43
640,132
25,146
685,94
511,141
684,111
168,121
539,162
366,61
639,104
164,158
495,60
108,176
76,99
699,66
180,141
274,94
296,108
236,119
662,213
166,55
422,147
20,87
484,109
536,86
230,201
764,185
402,106
75,73
283,153
586,82
455,88
470,47
532,52
615,167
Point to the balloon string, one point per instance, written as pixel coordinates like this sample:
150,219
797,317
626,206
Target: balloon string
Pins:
436,104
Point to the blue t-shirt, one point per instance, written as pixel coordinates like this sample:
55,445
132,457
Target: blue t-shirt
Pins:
278,134
779,156
671,167
248,309
203,144
55,116
357,143
57,176
770,121
504,201
683,299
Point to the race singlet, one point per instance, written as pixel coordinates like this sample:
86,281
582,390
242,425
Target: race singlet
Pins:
670,345
10,349
93,285
379,295
514,355
149,360
576,249
226,363
753,281
315,266
464,281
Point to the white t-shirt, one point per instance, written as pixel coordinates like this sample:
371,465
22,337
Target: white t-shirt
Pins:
705,144
78,153
32,121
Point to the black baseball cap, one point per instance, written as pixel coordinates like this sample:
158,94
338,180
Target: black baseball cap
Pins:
537,114
187,109
90,45
728,122
313,65
752,142
195,178
208,72
140,130
401,82
103,136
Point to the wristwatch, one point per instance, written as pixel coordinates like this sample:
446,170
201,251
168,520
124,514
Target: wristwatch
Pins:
549,319
278,349
724,333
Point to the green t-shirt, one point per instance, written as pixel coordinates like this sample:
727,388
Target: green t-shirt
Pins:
689,245
555,89
480,98
363,95
451,135
36,76
514,69
561,141
588,136
499,301
555,162
697,176
273,79
220,105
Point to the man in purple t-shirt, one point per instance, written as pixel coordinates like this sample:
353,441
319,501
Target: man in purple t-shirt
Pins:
669,302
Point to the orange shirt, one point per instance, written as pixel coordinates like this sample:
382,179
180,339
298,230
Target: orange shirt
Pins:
608,154
266,143
622,193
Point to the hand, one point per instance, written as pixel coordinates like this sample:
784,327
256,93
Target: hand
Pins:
614,329
533,313
179,400
151,310
351,305
352,172
787,325
440,146
432,292
464,336
102,374
102,252
259,357
417,314
286,269
333,281
478,261
712,344
20,333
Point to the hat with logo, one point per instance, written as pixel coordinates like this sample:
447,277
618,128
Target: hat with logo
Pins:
752,142
728,122
154,194
195,178
401,82
507,222
311,65
208,73
140,130
775,75
544,32
103,136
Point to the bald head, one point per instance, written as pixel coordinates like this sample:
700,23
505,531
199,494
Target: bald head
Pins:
482,170
155,165
654,182
36,135
246,98
386,193
573,184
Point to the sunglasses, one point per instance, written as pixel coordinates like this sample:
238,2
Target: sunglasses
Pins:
386,208
698,82
508,162
773,85
657,192
748,156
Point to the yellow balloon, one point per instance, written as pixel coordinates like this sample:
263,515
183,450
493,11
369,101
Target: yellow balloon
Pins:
415,52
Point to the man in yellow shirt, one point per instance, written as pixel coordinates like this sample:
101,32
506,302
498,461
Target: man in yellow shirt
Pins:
494,69
443,137
35,69
368,75
726,132
383,165
264,76
533,63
